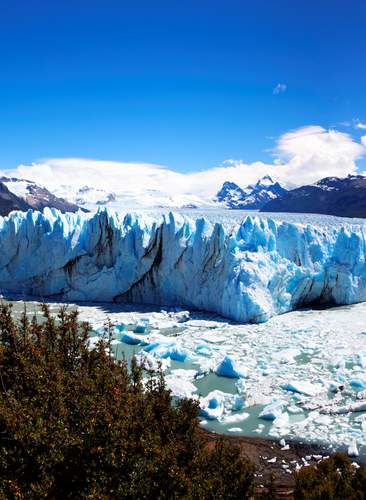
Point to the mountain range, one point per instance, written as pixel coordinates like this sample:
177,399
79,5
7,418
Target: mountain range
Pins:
253,197
331,195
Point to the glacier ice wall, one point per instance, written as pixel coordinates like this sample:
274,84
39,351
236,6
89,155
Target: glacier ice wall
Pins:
248,273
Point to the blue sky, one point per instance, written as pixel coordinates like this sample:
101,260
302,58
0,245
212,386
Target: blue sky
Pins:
183,84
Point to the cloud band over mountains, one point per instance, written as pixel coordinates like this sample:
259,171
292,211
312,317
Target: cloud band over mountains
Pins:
301,156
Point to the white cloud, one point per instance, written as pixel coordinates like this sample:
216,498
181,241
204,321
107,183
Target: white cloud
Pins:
301,156
279,88
359,125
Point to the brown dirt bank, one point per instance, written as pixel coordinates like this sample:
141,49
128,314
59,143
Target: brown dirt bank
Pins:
263,452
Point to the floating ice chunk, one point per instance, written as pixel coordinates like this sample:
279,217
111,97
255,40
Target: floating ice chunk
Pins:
272,411
338,410
133,339
352,449
230,368
172,351
357,383
235,417
119,328
212,406
323,420
216,404
281,421
142,325
184,374
294,409
302,387
180,387
234,429
203,350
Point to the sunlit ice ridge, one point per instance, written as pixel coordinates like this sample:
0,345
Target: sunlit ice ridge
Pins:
247,268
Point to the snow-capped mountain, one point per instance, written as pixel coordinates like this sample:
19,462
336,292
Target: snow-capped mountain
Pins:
232,195
21,194
331,195
253,197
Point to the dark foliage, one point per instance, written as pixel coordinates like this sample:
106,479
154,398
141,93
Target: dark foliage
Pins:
332,479
76,424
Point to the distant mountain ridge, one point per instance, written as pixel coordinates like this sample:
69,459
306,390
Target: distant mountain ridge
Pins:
331,196
21,194
253,197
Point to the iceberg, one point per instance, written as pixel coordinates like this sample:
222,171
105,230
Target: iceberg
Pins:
248,271
302,387
179,382
212,406
272,411
168,350
133,339
230,368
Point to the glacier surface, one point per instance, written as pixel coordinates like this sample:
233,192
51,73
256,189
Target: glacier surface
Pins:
248,271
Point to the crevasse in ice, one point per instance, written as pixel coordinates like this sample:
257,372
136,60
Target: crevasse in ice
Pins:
247,272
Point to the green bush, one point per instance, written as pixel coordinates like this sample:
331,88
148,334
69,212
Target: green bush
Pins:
74,423
332,479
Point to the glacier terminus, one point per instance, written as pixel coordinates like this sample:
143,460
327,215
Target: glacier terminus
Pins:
249,271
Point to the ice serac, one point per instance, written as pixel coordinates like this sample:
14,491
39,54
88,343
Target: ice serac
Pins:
248,273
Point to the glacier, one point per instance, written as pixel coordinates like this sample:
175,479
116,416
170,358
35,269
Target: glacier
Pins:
248,271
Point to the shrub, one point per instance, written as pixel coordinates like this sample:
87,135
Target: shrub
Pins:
332,479
74,423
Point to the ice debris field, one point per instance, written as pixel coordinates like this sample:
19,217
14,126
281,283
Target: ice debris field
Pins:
299,376
249,269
